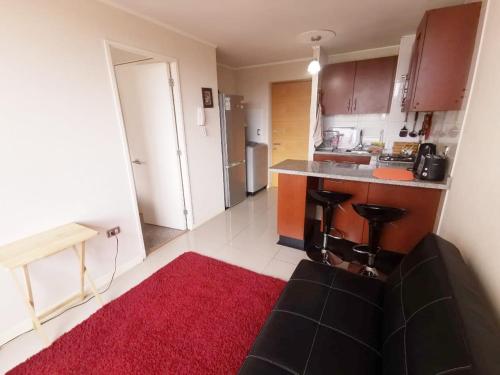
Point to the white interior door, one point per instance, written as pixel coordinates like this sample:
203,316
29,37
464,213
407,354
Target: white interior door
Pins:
148,114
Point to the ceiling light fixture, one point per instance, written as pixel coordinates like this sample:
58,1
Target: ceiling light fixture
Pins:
315,38
314,67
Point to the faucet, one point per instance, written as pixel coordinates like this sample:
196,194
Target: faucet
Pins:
359,146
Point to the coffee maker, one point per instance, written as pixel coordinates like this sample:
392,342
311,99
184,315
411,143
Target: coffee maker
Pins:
423,150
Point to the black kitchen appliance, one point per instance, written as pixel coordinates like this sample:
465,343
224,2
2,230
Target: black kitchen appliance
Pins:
431,167
424,149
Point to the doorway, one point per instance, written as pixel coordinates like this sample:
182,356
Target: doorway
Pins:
145,90
290,105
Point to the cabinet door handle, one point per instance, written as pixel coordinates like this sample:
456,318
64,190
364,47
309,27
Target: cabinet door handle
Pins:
355,104
349,105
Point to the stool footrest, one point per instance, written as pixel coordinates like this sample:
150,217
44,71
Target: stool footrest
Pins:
364,249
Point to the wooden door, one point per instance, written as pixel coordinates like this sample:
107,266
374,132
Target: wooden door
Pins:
445,57
337,85
373,85
290,105
346,219
421,205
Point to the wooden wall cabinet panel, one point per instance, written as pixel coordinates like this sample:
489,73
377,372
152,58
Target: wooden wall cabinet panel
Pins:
292,195
442,56
421,205
373,85
346,219
337,85
414,63
355,159
358,87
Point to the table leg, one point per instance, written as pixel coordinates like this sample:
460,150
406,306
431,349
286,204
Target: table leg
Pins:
28,299
84,273
28,285
82,270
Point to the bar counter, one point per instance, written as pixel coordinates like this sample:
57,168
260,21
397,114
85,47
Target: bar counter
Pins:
347,171
298,219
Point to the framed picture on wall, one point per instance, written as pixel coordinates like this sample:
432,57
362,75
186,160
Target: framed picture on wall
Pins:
208,100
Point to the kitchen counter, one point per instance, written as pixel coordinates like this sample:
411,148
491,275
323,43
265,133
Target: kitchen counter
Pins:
342,152
347,171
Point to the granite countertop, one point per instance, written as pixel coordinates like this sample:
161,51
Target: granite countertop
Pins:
347,171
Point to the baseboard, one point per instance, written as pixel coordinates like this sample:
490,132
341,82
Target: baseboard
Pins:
252,193
291,242
102,281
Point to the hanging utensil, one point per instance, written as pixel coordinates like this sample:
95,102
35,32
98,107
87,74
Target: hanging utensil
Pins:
413,133
425,131
421,132
404,131
429,126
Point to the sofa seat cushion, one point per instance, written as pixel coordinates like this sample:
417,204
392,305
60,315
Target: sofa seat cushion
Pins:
326,321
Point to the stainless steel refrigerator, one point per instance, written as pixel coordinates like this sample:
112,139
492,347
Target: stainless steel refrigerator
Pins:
233,148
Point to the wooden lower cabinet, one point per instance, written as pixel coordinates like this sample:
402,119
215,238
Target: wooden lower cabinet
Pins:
346,219
355,159
422,208
295,211
292,195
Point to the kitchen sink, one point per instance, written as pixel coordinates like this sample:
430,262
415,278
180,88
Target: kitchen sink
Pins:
357,152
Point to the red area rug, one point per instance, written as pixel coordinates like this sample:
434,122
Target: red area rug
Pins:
196,315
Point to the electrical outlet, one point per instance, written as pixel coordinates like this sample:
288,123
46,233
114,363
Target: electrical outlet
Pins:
113,232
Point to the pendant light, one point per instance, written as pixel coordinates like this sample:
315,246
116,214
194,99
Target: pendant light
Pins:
315,38
314,67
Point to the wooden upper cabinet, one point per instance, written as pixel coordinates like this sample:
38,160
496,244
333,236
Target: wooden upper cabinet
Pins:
373,85
441,58
358,87
337,85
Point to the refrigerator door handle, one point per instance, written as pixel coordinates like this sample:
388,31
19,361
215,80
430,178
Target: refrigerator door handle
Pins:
235,164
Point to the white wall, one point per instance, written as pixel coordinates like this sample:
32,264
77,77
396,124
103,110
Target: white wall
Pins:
61,153
364,54
255,86
470,216
226,79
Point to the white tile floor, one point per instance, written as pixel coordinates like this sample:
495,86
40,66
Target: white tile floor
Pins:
244,235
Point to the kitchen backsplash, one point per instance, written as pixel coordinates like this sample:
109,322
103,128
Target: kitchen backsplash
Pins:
445,127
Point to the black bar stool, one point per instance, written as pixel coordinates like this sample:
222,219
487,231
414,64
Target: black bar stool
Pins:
329,200
377,217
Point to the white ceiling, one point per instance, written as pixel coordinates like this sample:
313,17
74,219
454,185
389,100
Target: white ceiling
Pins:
249,32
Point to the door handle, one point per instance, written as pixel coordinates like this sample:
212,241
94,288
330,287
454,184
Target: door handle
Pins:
138,162
235,164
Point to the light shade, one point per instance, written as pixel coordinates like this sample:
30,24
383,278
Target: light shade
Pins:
314,67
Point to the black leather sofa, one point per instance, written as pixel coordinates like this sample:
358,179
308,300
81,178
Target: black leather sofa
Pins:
428,318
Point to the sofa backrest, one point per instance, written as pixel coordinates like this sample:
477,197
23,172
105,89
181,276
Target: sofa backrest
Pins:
436,320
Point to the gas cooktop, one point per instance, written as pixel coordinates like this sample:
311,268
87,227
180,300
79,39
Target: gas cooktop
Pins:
397,158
